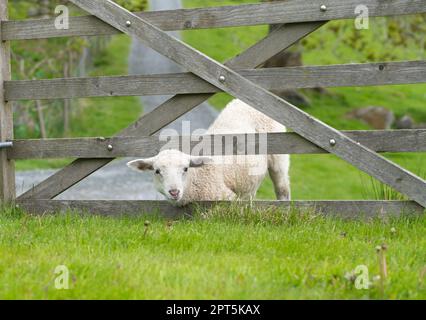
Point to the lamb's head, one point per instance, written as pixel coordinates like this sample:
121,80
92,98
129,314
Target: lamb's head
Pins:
171,170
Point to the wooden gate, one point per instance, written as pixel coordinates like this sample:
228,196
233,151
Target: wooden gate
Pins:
238,77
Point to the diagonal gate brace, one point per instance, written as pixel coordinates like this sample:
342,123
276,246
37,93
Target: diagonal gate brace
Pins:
230,81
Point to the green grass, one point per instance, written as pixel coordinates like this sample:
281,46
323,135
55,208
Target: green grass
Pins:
240,254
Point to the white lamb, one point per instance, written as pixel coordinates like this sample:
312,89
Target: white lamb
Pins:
183,179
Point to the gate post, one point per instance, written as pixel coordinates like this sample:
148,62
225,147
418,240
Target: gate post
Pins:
7,167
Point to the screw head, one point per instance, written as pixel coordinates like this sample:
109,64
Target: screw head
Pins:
128,23
222,79
333,142
110,147
323,8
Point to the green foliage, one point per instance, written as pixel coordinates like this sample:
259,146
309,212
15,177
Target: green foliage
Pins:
94,117
387,39
133,5
46,59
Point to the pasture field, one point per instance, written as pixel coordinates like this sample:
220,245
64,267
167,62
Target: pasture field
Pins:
227,253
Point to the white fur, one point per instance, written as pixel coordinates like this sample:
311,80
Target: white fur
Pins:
221,177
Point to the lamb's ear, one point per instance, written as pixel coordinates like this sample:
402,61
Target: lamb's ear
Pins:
200,161
142,164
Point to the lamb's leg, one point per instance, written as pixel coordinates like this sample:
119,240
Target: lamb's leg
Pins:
278,166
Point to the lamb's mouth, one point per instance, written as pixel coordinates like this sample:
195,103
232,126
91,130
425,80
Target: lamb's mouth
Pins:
174,200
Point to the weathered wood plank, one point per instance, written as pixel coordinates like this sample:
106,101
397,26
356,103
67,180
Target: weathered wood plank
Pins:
290,11
149,124
7,167
368,74
277,143
228,80
342,209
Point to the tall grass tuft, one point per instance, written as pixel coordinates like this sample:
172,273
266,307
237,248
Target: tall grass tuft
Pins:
244,213
374,189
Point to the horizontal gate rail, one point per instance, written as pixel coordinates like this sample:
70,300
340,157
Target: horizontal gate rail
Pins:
290,11
346,75
343,209
277,143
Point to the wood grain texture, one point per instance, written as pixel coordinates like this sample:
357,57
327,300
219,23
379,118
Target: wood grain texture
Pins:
342,209
7,167
280,110
368,74
290,11
149,124
144,147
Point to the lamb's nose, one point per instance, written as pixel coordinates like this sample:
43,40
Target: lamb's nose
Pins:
174,193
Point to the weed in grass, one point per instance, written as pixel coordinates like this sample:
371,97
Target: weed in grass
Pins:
383,269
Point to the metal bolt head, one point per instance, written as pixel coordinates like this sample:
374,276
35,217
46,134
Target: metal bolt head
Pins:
332,142
222,79
128,23
110,147
323,8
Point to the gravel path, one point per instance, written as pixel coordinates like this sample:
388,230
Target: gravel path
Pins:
116,181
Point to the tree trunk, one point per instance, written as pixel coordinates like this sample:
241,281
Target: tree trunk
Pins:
41,121
67,102
45,8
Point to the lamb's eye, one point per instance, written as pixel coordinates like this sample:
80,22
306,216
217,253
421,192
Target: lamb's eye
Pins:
185,170
157,171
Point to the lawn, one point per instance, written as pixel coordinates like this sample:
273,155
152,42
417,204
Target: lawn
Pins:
225,254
